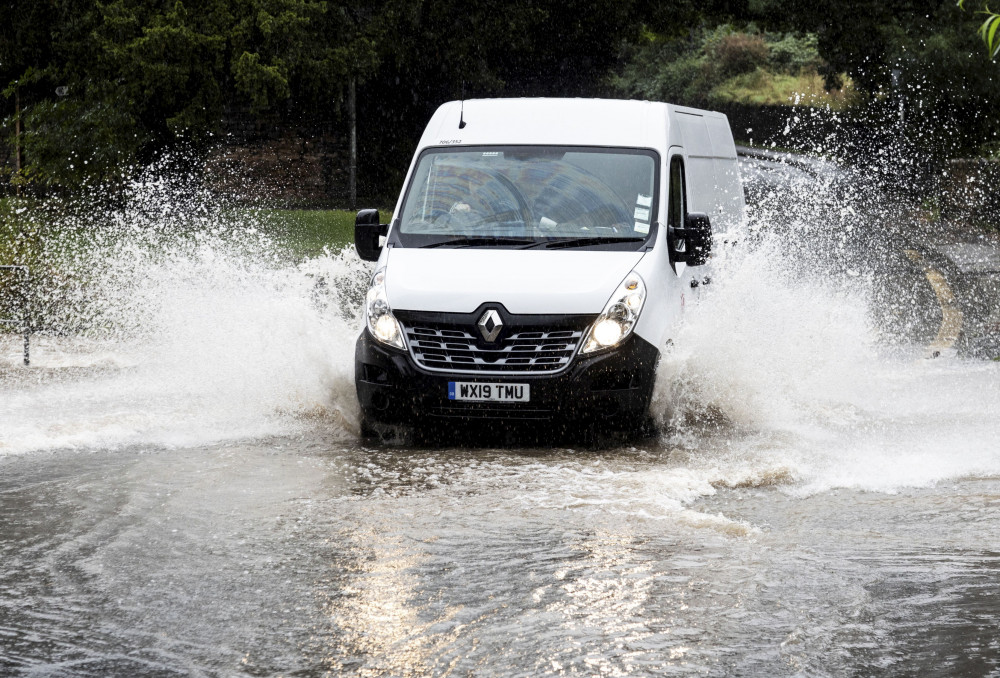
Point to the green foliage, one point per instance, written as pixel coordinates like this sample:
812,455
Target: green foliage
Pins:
765,87
988,30
735,53
263,83
664,70
170,62
74,141
145,76
923,55
795,53
187,63
723,64
25,240
283,50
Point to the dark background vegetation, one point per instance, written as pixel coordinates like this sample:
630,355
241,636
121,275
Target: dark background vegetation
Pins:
94,88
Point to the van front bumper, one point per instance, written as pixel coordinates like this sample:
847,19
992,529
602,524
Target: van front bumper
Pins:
613,387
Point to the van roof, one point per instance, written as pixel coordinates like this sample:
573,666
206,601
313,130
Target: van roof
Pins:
575,122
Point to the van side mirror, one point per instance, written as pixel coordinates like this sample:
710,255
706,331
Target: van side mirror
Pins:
367,231
697,236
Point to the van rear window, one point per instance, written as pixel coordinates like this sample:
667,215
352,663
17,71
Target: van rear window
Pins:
527,196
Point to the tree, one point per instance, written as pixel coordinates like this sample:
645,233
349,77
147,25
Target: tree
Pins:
62,121
432,51
135,78
918,51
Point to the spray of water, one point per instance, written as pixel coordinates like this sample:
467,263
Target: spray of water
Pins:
182,322
173,318
795,367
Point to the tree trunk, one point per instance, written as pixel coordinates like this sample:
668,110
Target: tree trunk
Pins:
352,115
17,139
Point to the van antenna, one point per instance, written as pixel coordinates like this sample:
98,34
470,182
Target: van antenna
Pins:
461,113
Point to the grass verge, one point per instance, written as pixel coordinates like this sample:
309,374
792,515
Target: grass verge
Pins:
64,244
306,233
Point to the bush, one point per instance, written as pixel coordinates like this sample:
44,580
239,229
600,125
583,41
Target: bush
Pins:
739,53
73,141
721,65
794,54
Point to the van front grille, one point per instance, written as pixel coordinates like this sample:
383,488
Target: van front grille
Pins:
455,349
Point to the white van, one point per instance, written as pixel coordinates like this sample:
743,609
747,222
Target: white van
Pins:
541,254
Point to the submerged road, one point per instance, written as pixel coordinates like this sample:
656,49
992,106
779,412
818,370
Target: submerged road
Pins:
310,559
823,498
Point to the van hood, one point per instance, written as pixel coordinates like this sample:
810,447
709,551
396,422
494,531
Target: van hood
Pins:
524,281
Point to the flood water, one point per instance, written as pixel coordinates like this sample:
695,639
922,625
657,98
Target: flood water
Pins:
183,491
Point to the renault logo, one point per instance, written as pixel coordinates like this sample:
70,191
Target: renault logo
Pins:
490,325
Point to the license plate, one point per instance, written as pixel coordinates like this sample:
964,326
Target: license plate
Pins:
493,393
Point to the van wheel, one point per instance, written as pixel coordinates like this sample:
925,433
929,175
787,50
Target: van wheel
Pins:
389,434
588,435
648,428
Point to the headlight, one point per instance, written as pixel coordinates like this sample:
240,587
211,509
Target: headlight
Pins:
619,316
381,322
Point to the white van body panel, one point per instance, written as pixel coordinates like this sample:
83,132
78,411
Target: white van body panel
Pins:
533,281
551,122
665,299
711,165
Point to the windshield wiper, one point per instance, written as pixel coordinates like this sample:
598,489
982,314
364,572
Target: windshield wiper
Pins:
479,241
561,243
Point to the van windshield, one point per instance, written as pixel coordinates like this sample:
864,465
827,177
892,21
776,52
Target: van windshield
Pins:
530,196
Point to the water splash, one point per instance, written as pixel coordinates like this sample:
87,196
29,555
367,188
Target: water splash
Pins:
795,365
175,319
181,321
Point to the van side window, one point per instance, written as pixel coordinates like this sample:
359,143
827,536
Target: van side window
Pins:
676,208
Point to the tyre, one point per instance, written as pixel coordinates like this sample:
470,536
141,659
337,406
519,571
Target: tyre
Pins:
381,432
